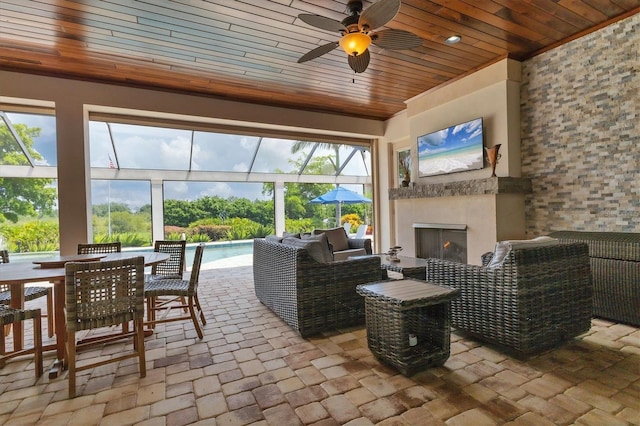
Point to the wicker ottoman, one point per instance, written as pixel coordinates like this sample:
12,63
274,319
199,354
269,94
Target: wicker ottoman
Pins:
408,323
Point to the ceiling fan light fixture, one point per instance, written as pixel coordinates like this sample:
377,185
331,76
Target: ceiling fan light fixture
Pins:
354,44
453,39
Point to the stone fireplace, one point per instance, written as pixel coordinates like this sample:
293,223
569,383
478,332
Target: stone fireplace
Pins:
480,211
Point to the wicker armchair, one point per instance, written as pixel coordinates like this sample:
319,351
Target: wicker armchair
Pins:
539,297
308,295
102,294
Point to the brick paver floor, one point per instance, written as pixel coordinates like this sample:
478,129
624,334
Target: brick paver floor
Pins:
251,368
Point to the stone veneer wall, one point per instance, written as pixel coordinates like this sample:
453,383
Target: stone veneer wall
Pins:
580,113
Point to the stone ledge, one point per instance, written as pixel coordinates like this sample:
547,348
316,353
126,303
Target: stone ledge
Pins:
488,186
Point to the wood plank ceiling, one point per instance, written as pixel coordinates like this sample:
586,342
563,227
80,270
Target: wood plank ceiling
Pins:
248,50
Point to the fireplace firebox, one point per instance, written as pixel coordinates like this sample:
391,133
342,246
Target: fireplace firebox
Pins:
441,241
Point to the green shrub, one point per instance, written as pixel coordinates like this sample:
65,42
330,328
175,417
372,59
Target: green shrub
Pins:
198,238
246,229
170,230
31,236
206,221
262,231
128,239
172,236
212,232
299,225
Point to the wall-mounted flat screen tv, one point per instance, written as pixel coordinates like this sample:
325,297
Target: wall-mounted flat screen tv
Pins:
454,149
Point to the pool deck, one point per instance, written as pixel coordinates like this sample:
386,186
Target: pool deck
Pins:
230,262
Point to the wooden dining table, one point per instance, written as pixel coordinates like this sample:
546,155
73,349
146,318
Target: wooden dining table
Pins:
52,270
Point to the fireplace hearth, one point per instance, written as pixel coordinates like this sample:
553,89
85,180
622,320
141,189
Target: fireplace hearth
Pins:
441,241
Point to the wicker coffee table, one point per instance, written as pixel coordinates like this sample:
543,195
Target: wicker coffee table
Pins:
408,323
409,267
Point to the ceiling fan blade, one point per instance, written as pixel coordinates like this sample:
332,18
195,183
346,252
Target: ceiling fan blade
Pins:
396,39
318,51
322,22
361,62
378,14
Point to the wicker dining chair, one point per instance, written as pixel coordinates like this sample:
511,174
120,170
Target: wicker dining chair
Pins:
115,247
173,267
10,316
102,294
102,248
30,293
178,289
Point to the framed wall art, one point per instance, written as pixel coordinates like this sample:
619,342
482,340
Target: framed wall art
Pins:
404,167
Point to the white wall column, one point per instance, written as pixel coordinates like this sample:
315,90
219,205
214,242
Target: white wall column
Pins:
278,201
74,179
157,210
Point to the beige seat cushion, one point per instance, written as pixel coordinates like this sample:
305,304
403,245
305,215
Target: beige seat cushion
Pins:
337,238
344,254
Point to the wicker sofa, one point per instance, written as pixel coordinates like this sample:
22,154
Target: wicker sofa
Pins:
538,298
615,265
309,295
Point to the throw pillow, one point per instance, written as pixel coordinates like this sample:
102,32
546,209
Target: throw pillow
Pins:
292,235
322,238
337,238
504,247
317,248
273,238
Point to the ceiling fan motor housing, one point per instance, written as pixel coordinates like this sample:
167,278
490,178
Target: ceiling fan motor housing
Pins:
354,7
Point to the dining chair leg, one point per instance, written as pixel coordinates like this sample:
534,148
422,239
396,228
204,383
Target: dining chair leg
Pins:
204,321
194,318
2,350
151,312
50,314
142,364
37,343
71,360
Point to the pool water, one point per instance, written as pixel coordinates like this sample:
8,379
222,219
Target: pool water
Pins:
217,251
213,251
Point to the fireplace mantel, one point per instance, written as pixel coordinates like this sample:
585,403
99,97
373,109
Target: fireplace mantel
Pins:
488,186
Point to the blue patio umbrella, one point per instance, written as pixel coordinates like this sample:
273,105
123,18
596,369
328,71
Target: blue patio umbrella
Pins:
340,196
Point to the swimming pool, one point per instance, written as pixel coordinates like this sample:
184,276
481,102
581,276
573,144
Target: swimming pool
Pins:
213,251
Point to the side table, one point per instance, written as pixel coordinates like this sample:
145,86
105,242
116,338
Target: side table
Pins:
408,323
409,267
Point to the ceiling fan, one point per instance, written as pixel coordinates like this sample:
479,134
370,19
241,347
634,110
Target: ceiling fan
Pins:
356,32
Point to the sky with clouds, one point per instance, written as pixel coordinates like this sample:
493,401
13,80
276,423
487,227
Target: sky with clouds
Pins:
156,148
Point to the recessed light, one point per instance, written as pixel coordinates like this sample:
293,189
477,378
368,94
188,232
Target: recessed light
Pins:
453,39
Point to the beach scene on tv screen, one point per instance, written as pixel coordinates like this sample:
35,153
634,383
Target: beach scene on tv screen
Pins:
454,149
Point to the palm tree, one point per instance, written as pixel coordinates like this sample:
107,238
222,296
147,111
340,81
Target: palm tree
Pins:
334,161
